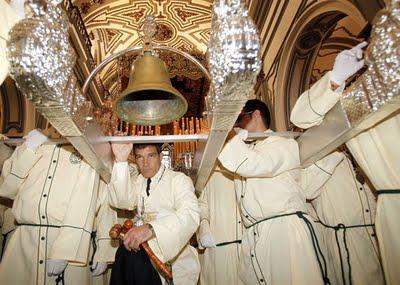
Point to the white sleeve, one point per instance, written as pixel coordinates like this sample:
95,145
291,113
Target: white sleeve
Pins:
312,106
16,169
271,159
175,230
204,213
314,177
8,19
122,194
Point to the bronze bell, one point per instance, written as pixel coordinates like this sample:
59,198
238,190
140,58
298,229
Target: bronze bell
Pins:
150,98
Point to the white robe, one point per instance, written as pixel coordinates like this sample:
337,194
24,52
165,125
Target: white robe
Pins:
339,198
377,153
279,250
6,217
379,156
8,19
173,211
51,186
220,217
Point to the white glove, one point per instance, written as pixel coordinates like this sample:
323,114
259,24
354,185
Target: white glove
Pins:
242,133
207,240
34,139
55,266
3,137
347,63
98,268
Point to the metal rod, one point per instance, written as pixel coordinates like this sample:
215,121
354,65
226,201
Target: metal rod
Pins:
260,136
104,63
123,139
157,139
16,142
136,49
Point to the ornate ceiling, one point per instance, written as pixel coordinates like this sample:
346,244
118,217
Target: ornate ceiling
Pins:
113,26
300,40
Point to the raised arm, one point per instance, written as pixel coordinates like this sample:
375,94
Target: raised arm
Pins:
122,194
17,167
313,104
274,157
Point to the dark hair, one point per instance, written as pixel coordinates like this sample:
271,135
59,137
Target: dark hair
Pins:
158,146
255,104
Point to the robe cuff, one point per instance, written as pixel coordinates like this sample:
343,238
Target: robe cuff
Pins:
159,231
168,243
120,169
120,193
72,244
329,163
321,97
203,229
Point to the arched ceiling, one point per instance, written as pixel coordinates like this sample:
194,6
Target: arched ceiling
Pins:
185,24
113,26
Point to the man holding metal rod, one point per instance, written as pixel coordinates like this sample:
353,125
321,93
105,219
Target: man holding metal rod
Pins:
54,192
279,245
167,216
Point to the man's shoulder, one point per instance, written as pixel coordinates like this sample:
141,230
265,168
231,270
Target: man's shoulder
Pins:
280,140
280,145
177,175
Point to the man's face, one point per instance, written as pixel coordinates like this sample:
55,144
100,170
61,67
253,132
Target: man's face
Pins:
148,160
242,120
246,121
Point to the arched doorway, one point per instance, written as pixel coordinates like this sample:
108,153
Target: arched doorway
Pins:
320,33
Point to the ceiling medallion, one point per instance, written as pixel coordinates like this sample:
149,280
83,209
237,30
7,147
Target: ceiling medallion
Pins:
163,32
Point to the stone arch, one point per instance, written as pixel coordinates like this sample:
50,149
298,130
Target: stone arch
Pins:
17,114
300,51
